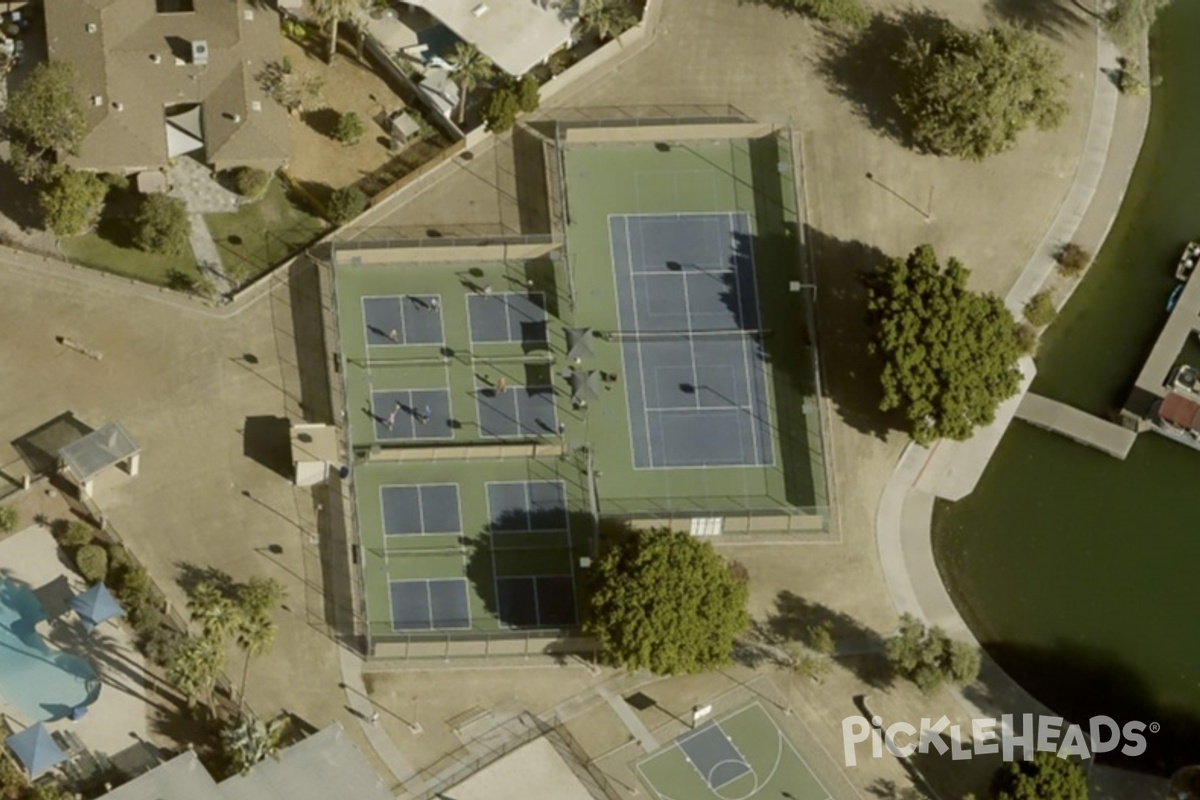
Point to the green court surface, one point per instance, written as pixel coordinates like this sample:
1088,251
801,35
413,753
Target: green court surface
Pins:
751,176
741,756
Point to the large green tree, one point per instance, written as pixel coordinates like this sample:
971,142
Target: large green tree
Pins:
255,629
929,657
969,93
1046,777
71,203
1127,22
46,111
665,601
949,354
162,225
608,18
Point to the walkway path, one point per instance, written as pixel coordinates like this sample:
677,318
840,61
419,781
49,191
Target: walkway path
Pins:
192,182
904,519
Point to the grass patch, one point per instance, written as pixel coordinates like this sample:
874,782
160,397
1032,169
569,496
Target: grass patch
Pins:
262,234
110,248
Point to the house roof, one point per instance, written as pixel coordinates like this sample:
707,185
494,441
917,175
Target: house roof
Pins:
133,63
1179,410
324,765
516,35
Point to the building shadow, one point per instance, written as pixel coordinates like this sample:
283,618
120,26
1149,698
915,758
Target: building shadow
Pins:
308,327
266,440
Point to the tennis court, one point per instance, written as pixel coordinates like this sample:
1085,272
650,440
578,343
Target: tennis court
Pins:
420,509
690,340
527,506
742,756
517,411
429,604
507,317
399,320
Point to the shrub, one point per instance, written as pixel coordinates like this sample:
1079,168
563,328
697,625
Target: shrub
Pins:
1027,338
501,109
158,642
820,638
527,94
76,535
119,563
930,658
72,202
1040,309
92,563
851,13
9,519
1073,260
349,128
162,225
251,182
346,204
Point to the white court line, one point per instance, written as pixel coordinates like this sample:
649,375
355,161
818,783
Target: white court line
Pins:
761,370
637,344
740,311
421,509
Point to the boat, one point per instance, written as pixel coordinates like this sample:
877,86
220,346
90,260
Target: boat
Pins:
1174,298
1188,261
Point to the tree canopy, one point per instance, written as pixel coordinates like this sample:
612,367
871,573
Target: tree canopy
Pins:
971,93
1127,22
162,225
665,601
72,202
949,354
929,657
46,112
1046,776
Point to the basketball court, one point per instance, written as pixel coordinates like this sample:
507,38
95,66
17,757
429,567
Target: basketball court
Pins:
741,756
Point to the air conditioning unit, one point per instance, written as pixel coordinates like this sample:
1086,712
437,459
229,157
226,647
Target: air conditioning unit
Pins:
97,100
200,53
479,10
92,27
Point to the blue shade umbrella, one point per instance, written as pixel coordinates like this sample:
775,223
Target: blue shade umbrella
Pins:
95,606
34,748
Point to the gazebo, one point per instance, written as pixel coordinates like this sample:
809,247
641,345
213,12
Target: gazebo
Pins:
95,606
579,344
585,386
85,458
34,748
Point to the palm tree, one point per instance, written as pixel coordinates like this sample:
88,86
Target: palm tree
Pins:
469,68
213,609
250,740
259,596
331,13
608,18
256,636
194,666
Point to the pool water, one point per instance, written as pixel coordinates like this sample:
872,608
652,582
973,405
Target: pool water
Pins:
40,682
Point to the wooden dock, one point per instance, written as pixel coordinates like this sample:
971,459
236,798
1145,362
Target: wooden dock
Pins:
1108,437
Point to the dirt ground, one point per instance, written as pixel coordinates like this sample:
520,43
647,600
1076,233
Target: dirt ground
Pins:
348,85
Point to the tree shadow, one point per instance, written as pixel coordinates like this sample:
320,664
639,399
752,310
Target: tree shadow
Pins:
1055,19
851,370
860,66
19,201
859,648
192,575
322,120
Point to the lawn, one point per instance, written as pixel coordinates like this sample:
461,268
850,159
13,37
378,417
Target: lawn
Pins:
262,234
110,248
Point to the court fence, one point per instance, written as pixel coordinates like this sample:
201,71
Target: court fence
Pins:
483,646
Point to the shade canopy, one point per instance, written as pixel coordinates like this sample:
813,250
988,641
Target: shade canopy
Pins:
585,386
99,450
579,344
95,606
34,748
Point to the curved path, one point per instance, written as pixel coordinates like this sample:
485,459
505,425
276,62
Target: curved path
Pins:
950,469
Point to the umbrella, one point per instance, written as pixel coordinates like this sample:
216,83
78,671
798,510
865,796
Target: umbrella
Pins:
95,606
34,748
579,344
585,386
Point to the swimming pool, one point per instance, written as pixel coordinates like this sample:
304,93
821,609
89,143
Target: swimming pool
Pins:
40,682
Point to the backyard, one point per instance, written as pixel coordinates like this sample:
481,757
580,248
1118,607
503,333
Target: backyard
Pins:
262,234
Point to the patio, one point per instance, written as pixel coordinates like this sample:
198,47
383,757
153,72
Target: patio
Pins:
114,728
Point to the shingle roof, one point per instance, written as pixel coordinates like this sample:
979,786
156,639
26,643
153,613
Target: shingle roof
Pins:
114,44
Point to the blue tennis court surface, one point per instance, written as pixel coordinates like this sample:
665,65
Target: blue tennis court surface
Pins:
507,317
413,510
429,604
517,506
518,411
541,601
411,414
395,320
690,340
713,755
